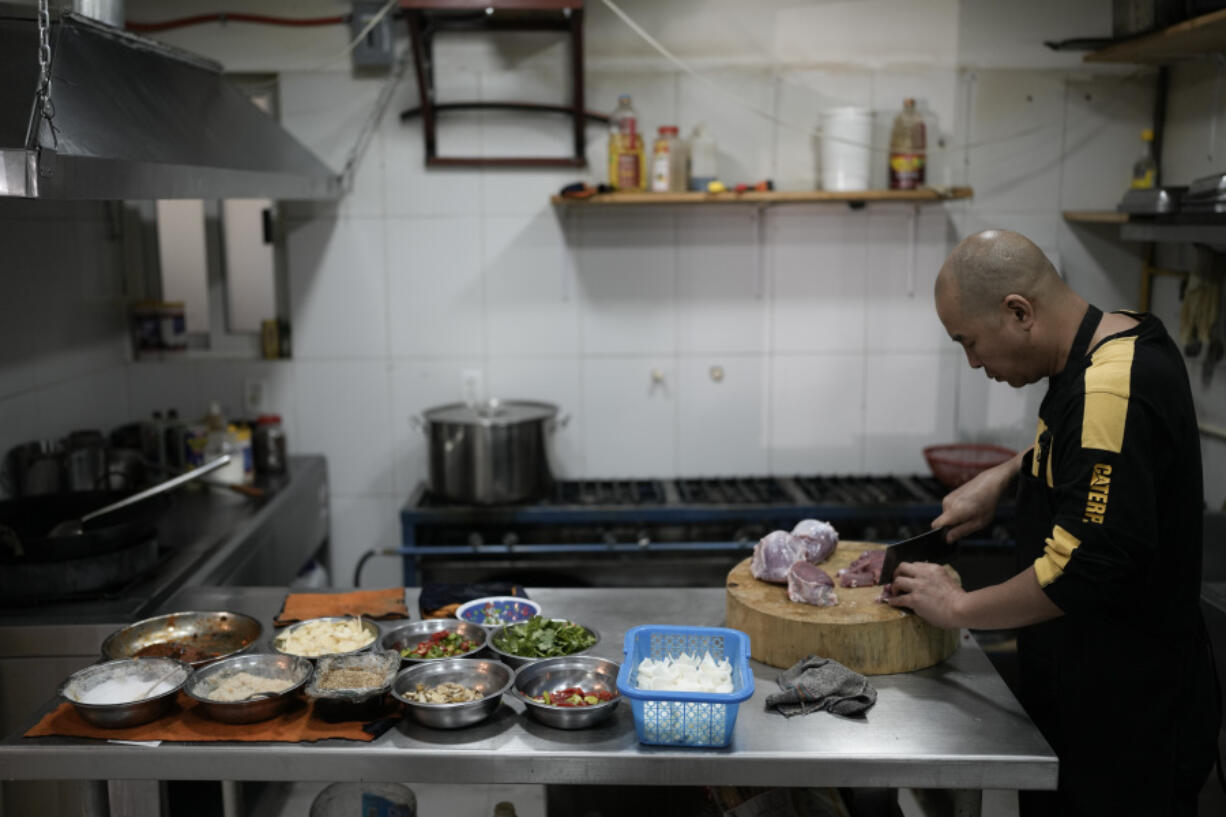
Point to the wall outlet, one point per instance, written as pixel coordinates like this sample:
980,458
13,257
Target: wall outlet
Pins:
472,388
255,393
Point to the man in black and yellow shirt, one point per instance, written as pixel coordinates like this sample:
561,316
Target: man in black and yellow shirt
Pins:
1113,654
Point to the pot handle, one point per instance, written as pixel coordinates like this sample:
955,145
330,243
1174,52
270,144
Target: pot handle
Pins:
559,423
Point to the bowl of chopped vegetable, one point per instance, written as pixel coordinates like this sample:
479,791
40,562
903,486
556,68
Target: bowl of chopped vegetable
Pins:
537,638
451,693
248,688
497,611
571,692
330,635
434,638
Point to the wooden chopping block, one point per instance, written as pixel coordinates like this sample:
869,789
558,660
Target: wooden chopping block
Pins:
859,632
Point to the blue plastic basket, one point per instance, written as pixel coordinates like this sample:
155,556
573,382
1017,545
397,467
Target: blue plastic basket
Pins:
685,718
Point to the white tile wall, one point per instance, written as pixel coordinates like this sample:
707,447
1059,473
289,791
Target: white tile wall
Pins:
419,275
722,281
905,251
1016,123
911,402
344,409
529,286
630,422
817,261
338,287
626,277
817,413
722,413
435,298
359,524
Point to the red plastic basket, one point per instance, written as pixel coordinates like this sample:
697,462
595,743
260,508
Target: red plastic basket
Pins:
955,463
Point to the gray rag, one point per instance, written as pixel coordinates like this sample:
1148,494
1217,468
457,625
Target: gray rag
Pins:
815,683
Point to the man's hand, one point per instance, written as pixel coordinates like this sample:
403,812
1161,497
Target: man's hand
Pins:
935,596
929,591
972,505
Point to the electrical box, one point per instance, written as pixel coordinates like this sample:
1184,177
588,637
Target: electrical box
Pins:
377,48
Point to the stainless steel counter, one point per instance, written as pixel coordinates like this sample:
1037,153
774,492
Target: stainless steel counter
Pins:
953,726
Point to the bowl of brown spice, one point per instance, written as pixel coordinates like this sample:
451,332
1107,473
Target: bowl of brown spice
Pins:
355,686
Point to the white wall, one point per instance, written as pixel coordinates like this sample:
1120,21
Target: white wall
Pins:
833,358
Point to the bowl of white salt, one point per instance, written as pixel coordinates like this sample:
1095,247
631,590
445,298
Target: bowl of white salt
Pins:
126,692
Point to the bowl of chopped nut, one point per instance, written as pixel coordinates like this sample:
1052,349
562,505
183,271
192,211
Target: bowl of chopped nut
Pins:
353,687
450,693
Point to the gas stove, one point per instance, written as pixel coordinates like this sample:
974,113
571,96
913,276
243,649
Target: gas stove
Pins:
666,532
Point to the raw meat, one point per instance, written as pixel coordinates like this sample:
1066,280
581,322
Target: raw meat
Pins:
865,571
818,538
810,584
773,555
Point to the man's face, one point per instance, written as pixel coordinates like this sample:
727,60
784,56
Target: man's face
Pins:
995,343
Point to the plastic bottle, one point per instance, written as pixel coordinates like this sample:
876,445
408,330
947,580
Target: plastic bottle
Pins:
240,436
175,430
153,439
669,161
268,441
627,158
704,166
1145,168
908,147
213,421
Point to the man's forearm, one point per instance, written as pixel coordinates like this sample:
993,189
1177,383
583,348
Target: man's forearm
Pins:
1017,602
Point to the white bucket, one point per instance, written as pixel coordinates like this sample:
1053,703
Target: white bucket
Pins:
846,153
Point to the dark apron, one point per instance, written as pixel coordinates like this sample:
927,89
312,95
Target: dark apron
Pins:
1113,700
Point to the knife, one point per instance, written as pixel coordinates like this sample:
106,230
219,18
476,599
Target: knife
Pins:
927,547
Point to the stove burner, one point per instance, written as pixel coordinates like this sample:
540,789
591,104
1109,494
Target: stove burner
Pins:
733,491
608,492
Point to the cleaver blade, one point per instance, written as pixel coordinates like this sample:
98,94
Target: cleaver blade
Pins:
927,547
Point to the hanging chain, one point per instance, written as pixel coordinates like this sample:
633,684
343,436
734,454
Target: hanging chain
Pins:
45,105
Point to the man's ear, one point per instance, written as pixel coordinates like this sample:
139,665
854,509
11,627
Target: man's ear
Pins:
1020,309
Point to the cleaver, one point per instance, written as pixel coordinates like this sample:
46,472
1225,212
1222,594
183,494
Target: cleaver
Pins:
927,547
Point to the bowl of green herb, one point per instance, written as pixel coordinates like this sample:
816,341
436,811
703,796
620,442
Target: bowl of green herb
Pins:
527,641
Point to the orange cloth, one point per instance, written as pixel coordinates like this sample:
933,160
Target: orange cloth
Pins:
387,603
185,722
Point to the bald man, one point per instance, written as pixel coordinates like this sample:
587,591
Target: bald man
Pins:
1112,648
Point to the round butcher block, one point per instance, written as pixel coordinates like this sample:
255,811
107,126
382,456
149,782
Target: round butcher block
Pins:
859,632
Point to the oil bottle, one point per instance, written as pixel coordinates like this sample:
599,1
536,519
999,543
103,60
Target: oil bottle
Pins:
907,148
627,157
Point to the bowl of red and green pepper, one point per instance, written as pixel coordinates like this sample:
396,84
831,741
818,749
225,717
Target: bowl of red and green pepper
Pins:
434,638
571,692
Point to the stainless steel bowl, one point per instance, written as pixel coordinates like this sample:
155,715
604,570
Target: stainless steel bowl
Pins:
151,671
218,634
410,635
367,625
490,678
291,668
516,661
552,674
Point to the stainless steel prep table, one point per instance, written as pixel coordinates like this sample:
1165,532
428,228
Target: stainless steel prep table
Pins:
953,726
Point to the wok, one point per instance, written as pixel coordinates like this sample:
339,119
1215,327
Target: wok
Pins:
29,520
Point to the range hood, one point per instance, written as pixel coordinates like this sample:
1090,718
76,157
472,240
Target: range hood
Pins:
136,119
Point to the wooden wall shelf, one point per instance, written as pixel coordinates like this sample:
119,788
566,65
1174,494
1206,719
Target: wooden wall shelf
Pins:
1200,35
768,197
1096,216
